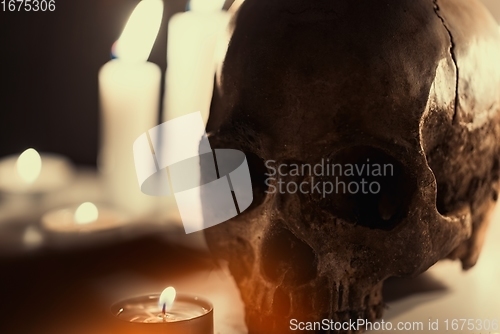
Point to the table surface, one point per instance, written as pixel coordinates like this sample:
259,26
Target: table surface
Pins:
446,292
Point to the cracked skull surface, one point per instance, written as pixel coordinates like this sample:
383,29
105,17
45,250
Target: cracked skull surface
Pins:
409,84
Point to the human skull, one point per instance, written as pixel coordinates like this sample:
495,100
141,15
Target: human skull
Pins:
412,84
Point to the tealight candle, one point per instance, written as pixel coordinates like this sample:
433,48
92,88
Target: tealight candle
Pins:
86,218
32,173
165,313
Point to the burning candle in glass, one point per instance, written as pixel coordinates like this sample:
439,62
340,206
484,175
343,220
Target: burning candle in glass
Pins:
168,312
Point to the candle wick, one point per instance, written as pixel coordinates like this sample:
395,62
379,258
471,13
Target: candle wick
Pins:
164,311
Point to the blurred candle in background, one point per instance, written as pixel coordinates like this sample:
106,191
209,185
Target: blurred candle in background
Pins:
191,67
192,39
32,173
129,89
85,218
83,226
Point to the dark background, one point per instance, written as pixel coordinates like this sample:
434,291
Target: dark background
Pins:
49,63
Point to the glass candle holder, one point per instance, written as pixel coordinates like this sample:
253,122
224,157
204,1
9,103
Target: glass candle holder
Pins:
141,315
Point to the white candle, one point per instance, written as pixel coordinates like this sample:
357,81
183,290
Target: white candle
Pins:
31,173
129,88
191,65
86,218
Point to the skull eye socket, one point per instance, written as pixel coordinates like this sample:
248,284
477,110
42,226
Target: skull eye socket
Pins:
370,188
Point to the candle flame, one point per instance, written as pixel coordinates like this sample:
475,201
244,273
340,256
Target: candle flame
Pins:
29,165
167,298
86,213
138,37
206,5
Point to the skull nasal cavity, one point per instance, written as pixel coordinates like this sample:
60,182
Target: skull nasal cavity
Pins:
258,171
370,188
286,259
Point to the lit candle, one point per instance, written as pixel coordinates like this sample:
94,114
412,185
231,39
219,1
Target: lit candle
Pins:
129,88
84,219
167,312
32,173
192,39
